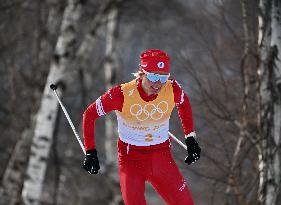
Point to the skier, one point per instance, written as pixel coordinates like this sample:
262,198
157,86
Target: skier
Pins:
143,107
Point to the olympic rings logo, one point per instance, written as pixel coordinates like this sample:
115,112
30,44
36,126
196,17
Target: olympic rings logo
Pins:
151,110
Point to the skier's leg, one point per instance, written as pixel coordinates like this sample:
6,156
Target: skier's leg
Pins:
132,183
168,181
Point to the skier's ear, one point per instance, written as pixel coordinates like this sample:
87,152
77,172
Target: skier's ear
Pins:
141,75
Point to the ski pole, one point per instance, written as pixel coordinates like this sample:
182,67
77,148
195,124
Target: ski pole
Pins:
177,140
54,87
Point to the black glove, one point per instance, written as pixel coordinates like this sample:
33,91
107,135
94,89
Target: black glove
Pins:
91,162
193,150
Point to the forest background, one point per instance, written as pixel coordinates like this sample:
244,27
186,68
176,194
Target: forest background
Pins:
224,53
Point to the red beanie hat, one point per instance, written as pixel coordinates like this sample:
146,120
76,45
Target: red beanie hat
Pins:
154,60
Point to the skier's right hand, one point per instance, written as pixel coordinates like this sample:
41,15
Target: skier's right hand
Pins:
91,162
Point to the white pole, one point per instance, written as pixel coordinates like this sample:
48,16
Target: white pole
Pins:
177,140
69,120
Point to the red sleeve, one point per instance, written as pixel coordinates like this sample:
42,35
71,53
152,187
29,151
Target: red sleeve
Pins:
184,108
111,100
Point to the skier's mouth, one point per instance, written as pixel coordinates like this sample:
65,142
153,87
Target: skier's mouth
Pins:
156,89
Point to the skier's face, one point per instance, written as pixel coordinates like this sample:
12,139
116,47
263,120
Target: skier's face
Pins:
152,84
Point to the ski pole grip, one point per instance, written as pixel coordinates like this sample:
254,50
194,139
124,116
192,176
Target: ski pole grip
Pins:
53,86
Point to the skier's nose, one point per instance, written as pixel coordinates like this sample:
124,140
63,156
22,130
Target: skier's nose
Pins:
158,83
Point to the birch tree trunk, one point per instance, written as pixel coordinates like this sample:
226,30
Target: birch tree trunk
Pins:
47,114
110,71
13,177
270,102
273,189
263,95
14,173
88,43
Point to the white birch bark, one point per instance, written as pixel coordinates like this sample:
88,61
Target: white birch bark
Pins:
47,113
273,186
13,177
110,71
270,102
88,43
263,95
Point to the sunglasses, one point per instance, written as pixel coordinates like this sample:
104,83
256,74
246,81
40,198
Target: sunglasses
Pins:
154,77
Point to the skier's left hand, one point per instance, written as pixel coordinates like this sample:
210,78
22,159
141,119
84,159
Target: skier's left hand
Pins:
193,150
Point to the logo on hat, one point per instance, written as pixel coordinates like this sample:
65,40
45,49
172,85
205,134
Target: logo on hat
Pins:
160,65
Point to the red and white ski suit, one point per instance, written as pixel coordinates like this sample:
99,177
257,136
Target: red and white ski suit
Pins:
144,146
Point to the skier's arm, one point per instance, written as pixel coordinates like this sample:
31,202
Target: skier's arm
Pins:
111,100
185,114
184,109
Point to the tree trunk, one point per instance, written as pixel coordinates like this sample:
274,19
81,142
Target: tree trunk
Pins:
89,41
273,186
111,70
14,173
263,95
13,177
270,102
47,113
